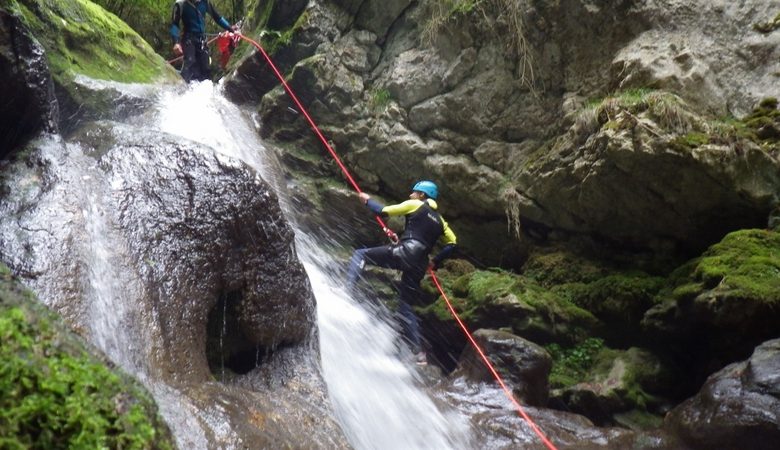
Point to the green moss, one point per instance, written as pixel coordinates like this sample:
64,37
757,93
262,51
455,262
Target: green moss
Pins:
55,395
81,38
618,296
274,40
689,141
496,299
745,264
571,364
559,267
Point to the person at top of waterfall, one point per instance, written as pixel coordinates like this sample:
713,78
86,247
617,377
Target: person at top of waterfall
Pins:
423,229
191,42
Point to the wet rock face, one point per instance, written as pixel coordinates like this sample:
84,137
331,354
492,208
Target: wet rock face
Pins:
28,105
524,365
179,265
738,407
205,230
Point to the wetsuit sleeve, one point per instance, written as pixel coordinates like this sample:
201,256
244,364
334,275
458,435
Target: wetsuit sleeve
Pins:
221,21
403,208
175,20
374,206
450,245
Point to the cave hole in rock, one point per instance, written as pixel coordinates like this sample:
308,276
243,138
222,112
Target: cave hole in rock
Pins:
228,350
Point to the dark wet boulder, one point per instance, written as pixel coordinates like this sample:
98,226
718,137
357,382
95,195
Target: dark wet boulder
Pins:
719,306
178,263
523,365
738,407
26,87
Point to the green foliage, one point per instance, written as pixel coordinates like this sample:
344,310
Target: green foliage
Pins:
497,299
556,267
151,18
54,396
618,297
689,141
274,40
745,264
380,98
572,364
672,115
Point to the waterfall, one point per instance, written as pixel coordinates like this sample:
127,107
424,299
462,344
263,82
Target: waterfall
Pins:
379,399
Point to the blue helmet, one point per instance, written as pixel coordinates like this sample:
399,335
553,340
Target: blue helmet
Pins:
428,188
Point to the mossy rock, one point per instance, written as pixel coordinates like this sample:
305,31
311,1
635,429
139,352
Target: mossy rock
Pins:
743,268
502,300
719,306
618,382
54,394
552,267
618,299
81,38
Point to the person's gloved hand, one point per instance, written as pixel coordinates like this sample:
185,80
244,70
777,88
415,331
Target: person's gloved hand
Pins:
364,197
235,28
177,49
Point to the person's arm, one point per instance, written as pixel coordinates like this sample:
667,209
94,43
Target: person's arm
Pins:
174,29
391,210
450,242
221,21
403,208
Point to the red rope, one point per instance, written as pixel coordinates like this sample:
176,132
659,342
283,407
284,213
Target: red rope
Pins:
317,131
489,365
354,184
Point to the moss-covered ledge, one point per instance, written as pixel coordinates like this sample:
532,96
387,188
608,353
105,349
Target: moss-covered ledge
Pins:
54,394
83,42
725,302
81,38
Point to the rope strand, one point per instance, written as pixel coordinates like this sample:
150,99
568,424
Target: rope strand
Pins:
393,237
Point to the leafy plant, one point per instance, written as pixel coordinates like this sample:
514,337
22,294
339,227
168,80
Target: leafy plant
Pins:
380,98
570,365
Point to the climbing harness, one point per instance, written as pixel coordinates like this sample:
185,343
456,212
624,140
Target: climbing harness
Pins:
394,238
171,61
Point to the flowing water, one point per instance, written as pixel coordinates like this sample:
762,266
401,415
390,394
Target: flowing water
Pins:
377,395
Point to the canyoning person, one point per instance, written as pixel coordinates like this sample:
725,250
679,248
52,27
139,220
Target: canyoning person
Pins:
189,40
423,229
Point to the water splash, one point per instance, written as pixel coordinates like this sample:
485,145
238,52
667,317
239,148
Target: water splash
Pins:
377,394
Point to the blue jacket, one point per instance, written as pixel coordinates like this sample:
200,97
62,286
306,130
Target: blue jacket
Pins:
192,15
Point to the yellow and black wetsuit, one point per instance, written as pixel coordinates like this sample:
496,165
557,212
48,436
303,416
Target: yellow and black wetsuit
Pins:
424,228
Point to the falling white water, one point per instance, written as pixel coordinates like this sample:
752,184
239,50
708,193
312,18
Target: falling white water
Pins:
375,394
378,398
109,288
